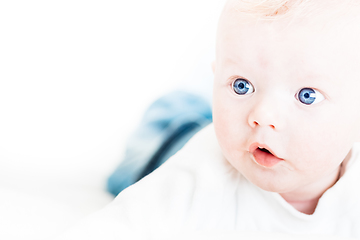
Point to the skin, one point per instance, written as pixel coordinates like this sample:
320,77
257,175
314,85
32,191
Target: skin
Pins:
279,60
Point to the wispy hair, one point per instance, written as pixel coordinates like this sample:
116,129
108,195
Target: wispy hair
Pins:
273,9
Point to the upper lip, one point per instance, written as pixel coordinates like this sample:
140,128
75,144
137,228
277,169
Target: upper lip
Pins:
257,145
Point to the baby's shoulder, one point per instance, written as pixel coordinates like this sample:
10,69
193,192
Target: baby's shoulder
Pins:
192,182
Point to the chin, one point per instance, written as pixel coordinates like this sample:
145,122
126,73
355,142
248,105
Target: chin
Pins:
272,185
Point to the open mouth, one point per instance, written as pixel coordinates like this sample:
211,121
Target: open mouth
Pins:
263,156
264,150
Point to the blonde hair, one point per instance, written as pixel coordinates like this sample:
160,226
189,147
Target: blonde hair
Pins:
273,9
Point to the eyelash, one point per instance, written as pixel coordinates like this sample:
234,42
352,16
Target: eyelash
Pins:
306,96
245,86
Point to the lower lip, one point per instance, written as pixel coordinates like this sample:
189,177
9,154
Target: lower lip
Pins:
265,159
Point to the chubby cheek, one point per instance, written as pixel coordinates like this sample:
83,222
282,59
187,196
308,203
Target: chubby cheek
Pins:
230,128
319,145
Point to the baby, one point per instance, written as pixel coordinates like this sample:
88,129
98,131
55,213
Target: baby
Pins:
281,155
286,94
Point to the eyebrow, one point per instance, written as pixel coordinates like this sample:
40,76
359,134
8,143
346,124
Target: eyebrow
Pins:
232,60
239,67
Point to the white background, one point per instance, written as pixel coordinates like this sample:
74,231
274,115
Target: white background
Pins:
75,78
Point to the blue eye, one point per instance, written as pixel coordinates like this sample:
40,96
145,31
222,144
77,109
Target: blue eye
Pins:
310,96
242,86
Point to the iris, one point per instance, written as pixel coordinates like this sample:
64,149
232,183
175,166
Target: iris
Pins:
242,86
307,96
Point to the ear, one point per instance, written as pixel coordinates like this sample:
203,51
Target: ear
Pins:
213,67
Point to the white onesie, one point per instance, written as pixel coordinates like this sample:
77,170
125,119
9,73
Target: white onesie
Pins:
197,189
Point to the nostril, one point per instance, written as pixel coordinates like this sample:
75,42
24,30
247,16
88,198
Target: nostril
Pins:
255,124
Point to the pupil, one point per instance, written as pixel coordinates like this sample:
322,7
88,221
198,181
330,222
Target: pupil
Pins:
306,95
241,85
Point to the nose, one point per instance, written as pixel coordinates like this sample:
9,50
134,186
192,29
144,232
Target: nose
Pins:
266,113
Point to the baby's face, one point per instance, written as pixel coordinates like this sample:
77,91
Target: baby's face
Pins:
293,90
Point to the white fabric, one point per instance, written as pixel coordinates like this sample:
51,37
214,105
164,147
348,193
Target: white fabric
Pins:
198,189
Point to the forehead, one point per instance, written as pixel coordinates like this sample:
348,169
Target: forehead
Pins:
321,43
